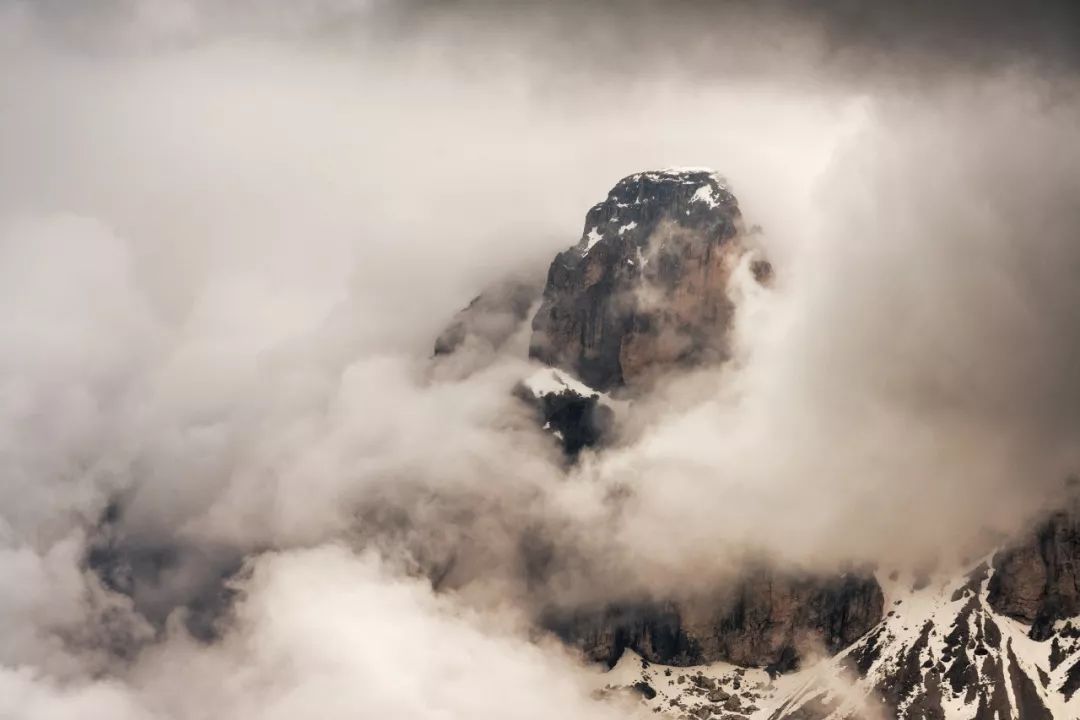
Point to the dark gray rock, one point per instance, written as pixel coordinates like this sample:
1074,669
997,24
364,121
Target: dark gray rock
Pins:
577,421
1037,580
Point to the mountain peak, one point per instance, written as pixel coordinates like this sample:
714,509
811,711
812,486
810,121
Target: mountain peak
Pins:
644,290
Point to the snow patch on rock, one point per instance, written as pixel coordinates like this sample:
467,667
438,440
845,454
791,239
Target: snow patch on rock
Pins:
548,381
591,238
706,196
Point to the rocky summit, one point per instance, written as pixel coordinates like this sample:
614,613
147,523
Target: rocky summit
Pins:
646,286
646,290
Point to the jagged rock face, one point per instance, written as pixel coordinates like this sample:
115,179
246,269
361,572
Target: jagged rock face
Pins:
1037,581
774,613
762,623
944,652
646,287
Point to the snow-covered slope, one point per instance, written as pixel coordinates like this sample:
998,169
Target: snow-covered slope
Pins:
941,653
718,690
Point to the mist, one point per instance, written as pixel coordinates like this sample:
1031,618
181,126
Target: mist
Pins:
229,237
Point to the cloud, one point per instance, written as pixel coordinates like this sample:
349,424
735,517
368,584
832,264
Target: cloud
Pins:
230,235
327,631
398,649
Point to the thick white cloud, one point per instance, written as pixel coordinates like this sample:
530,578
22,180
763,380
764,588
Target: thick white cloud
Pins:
328,632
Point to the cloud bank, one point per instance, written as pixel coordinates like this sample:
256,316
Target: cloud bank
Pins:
230,235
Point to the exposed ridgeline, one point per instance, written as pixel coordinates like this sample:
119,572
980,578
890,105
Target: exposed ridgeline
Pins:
646,287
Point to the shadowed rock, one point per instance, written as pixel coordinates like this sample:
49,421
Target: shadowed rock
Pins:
763,620
1037,580
161,575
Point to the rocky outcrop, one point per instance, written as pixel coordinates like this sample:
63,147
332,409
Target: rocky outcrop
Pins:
573,413
765,620
1037,580
775,614
646,287
576,421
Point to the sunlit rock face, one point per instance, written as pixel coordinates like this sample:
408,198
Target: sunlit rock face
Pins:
646,288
